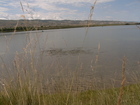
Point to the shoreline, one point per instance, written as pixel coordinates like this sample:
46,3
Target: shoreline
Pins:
19,29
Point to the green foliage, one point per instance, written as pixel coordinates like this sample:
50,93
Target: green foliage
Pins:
26,96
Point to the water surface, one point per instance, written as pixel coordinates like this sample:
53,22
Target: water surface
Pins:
74,50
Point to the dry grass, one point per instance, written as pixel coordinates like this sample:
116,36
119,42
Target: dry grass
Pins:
31,82
123,81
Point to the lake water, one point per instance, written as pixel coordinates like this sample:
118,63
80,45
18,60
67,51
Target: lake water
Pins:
61,52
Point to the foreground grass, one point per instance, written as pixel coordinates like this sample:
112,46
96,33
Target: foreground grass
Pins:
30,95
29,90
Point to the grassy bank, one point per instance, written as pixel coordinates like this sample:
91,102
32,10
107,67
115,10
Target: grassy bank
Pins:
31,86
28,94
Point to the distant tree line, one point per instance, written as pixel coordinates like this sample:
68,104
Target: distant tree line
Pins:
5,29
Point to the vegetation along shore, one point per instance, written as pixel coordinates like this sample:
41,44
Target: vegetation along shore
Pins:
30,25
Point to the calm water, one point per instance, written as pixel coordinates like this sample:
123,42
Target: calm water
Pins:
66,50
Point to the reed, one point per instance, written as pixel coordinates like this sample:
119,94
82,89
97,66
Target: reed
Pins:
30,81
123,81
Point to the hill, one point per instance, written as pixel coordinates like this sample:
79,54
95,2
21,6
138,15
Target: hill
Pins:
47,23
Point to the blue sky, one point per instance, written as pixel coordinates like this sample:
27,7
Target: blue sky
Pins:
122,10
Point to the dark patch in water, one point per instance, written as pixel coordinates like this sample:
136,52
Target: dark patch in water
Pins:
75,51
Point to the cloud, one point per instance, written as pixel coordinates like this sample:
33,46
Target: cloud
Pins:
53,4
133,3
48,9
3,9
1,1
71,1
103,1
4,15
56,6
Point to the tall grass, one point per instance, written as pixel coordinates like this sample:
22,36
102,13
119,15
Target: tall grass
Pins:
29,81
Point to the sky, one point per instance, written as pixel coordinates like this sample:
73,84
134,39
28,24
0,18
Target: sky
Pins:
120,10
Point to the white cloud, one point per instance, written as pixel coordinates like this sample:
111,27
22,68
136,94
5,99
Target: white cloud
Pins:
3,9
48,9
4,15
1,1
108,17
103,1
52,4
46,6
49,15
70,1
